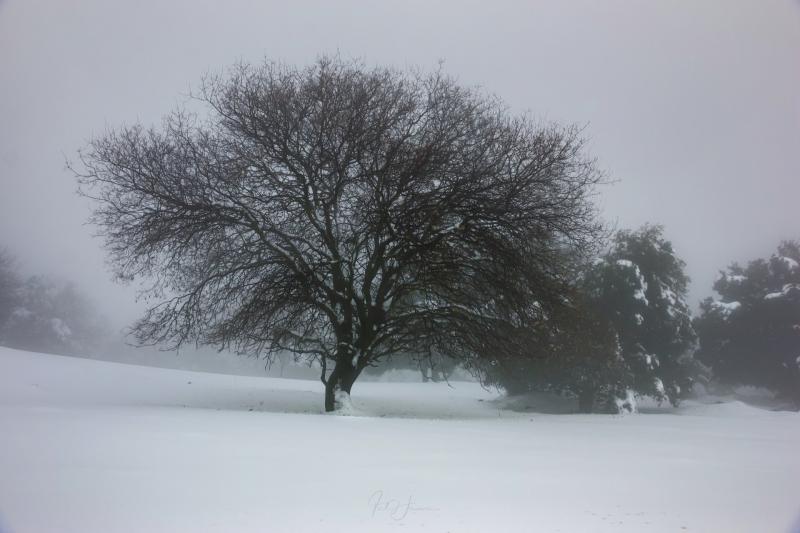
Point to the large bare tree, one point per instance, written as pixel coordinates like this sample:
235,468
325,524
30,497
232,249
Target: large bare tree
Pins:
342,213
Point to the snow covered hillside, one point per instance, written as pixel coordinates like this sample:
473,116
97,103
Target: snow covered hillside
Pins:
89,446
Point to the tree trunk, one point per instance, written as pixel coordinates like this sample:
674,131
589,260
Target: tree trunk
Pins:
586,401
340,380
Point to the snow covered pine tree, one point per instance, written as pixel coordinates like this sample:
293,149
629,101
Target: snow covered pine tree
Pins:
627,331
751,334
636,292
652,319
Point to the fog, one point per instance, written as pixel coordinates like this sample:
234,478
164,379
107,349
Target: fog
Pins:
693,109
465,418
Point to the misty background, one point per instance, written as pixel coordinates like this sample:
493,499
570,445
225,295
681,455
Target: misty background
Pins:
693,109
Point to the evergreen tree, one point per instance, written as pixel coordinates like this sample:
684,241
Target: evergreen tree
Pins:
751,334
634,336
51,317
626,332
9,289
660,340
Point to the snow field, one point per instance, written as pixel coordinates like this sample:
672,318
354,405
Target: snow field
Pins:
89,446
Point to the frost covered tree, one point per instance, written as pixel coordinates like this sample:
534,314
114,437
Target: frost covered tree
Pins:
9,289
39,314
655,325
751,334
626,332
52,317
342,213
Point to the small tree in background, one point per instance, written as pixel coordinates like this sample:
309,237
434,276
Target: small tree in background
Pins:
344,214
41,315
751,334
54,318
9,289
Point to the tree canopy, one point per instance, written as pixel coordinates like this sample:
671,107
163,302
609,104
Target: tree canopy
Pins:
342,213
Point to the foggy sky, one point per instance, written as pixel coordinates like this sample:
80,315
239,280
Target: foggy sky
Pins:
694,107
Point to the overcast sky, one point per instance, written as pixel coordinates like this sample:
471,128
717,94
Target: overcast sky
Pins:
693,106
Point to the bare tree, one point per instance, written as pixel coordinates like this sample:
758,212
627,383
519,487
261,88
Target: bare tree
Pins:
342,213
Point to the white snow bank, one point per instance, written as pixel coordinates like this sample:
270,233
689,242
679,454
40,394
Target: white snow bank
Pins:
790,263
725,308
786,290
641,289
719,408
628,404
344,405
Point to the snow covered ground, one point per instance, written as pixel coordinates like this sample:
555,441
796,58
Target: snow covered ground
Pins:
89,446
